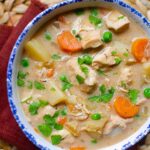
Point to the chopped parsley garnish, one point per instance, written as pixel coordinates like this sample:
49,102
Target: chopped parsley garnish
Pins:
56,57
94,12
66,84
25,62
20,82
94,141
79,11
101,72
63,112
104,96
49,120
126,54
121,17
123,84
80,79
45,129
58,126
34,106
48,36
118,60
95,20
114,53
77,36
133,95
39,85
84,69
56,139
85,59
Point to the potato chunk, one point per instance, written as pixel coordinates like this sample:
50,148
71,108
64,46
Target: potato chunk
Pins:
56,95
36,51
147,69
117,21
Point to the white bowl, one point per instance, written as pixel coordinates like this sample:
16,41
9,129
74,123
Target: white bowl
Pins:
15,57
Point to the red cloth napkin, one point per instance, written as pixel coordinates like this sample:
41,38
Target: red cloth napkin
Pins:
9,130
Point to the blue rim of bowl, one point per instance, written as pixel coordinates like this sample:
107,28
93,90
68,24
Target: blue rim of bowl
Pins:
36,19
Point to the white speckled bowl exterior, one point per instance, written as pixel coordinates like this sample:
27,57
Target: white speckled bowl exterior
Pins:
29,30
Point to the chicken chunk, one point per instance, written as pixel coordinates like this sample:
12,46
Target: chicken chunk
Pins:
104,58
91,39
90,78
116,21
90,36
116,121
125,76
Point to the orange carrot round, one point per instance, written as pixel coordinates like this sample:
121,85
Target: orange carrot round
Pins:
77,148
125,108
62,120
68,42
138,48
50,73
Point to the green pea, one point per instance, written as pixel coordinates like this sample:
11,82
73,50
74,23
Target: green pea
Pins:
107,36
25,62
147,92
96,116
56,139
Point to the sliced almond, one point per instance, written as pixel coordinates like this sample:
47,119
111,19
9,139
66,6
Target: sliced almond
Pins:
14,19
20,8
18,2
4,18
1,9
8,4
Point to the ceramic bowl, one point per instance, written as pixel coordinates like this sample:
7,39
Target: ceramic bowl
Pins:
15,56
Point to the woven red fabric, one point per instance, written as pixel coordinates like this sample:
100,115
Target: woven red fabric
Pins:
9,130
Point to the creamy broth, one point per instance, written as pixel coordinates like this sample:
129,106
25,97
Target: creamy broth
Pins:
81,87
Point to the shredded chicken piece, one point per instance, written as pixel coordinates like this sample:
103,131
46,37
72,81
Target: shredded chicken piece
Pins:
104,58
116,121
64,133
116,21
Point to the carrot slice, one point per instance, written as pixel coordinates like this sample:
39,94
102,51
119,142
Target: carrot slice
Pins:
138,48
77,148
125,108
68,42
50,73
62,120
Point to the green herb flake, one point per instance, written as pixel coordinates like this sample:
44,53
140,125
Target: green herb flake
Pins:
102,89
56,139
58,126
52,89
63,112
66,84
45,129
39,85
34,106
94,141
137,116
95,98
121,17
114,53
74,32
21,75
80,79
84,69
78,37
95,20
56,114
49,120
20,82
56,57
94,12
79,11
101,72
118,60
25,62
126,54
48,36
133,95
